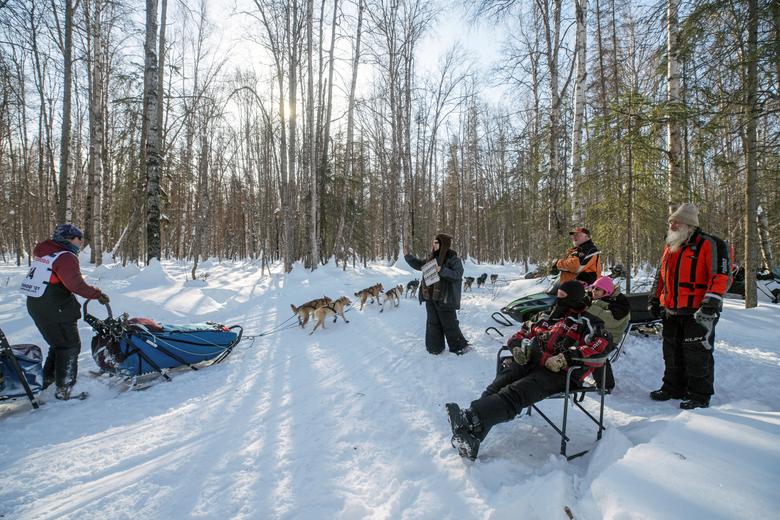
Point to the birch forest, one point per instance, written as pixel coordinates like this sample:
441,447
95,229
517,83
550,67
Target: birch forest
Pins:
295,130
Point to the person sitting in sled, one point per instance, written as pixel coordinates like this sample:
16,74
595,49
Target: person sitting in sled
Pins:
50,285
541,354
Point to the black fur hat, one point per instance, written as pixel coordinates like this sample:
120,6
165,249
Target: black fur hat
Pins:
445,242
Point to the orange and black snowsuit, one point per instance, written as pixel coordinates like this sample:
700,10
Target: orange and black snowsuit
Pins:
700,271
701,268
582,263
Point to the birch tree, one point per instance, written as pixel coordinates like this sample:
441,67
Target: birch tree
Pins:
581,9
152,140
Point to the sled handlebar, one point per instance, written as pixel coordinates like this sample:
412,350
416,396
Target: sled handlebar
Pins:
108,308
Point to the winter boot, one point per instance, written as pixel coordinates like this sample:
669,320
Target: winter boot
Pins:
465,429
63,393
663,395
691,403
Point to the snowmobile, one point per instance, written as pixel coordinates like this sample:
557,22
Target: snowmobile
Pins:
141,349
529,307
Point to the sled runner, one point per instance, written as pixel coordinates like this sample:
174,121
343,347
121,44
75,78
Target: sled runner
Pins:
135,347
21,371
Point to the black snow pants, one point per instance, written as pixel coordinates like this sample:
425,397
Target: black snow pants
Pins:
61,365
689,363
515,388
442,322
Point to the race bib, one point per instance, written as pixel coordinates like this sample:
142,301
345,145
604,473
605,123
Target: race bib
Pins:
34,284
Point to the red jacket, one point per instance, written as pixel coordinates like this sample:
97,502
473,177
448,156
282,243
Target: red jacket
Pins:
578,336
66,270
700,268
57,304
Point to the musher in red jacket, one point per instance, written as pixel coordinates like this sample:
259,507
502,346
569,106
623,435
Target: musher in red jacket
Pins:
541,354
50,285
694,275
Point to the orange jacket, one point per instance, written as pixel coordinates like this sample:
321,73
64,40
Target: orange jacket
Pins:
700,268
582,263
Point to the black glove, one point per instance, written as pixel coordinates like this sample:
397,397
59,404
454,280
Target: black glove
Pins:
554,268
103,299
655,309
708,311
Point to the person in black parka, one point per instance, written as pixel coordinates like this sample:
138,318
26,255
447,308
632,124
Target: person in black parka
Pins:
442,299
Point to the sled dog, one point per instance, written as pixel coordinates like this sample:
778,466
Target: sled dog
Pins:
411,288
394,295
481,280
372,292
307,309
493,279
334,309
467,282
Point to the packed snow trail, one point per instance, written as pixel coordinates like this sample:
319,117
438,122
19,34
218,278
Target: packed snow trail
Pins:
350,422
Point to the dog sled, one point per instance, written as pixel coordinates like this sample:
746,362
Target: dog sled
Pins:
21,371
141,350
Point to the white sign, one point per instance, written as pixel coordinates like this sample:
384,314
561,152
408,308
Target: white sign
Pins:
429,273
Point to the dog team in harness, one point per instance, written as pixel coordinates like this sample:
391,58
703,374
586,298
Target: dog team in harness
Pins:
586,321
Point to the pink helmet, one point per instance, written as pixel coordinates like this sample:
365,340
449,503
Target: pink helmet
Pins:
604,283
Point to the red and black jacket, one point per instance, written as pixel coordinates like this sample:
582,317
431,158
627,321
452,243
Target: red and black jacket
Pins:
57,304
700,268
578,336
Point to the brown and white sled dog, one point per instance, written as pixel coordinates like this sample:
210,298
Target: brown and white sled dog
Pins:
334,309
372,292
394,296
307,309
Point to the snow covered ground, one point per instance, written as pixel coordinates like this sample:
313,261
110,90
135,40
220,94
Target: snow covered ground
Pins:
350,422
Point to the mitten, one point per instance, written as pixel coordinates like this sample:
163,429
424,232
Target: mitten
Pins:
522,353
103,299
555,363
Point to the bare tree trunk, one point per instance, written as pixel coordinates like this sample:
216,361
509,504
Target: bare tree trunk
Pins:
751,159
350,159
64,207
161,74
323,164
96,135
581,9
153,246
310,140
763,233
292,117
676,184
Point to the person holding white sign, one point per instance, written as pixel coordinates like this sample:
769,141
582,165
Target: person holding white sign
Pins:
440,290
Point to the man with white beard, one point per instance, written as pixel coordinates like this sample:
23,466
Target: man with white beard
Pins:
688,291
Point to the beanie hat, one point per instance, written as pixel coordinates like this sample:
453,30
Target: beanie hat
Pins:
66,232
604,283
687,214
445,241
575,295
